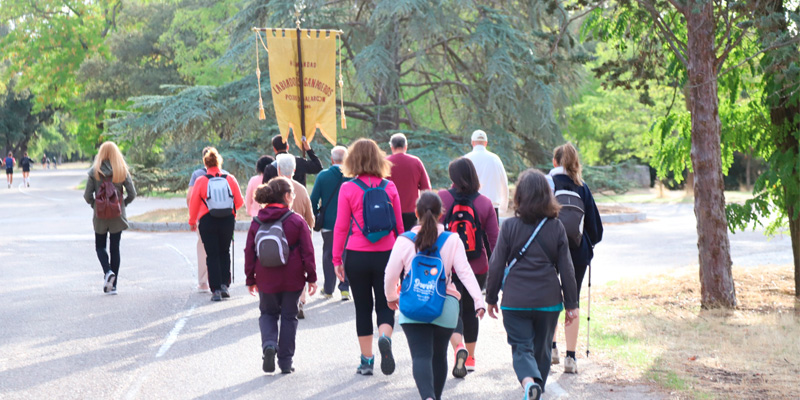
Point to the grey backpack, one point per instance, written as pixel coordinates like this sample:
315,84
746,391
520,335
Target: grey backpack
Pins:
272,248
219,197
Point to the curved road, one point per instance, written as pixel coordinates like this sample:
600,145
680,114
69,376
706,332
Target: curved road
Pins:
63,338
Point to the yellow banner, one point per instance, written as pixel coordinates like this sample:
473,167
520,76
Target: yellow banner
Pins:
319,82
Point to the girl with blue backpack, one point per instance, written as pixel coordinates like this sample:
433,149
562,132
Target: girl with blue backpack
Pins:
532,265
428,300
363,236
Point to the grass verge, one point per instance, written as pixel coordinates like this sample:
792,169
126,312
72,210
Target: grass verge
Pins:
177,215
655,327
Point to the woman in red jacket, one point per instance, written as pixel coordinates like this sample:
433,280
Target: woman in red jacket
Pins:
464,198
279,288
212,210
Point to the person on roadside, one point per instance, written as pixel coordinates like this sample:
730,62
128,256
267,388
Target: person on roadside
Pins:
491,172
472,216
279,288
26,163
202,268
532,265
325,203
109,169
304,167
9,164
212,211
566,175
428,341
250,203
361,251
301,204
410,177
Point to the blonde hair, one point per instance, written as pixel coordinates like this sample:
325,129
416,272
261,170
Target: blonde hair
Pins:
212,159
566,156
109,151
364,157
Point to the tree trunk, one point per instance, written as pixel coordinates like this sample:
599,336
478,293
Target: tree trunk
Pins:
794,230
716,279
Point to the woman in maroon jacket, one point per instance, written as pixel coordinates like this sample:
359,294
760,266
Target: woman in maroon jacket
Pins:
279,288
463,193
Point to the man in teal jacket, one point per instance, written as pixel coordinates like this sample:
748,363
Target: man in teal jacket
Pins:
324,202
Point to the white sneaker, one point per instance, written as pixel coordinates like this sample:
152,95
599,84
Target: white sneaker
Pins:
110,279
113,291
554,359
570,365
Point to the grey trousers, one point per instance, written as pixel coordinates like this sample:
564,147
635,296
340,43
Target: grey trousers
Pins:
530,334
279,307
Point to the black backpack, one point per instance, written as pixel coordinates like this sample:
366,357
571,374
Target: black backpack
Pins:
462,219
572,211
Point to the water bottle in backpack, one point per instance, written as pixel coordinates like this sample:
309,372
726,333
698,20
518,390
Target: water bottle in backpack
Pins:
424,288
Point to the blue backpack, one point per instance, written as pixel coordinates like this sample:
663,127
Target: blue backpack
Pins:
379,219
424,288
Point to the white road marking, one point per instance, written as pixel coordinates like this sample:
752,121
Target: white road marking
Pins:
173,334
556,391
188,262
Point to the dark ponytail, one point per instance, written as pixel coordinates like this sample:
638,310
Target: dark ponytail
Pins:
429,209
273,191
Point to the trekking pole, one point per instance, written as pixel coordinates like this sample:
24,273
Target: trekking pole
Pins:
589,312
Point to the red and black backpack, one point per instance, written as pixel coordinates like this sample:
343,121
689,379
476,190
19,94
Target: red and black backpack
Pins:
462,218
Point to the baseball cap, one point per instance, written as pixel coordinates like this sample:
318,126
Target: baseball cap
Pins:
479,135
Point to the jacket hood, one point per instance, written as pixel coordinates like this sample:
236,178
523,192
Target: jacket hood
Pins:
269,214
105,169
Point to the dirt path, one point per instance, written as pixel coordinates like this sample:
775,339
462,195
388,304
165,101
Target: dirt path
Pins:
599,379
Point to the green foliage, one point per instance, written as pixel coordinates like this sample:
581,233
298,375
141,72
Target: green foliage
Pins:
19,123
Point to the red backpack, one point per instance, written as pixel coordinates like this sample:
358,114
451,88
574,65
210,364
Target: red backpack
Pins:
107,201
463,220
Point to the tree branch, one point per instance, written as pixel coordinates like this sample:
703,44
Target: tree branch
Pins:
672,40
796,39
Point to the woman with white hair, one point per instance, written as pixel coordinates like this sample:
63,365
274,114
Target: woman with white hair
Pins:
104,188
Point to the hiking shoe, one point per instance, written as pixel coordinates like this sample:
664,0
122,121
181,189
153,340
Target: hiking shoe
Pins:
570,365
366,366
109,281
459,366
217,296
532,391
326,295
387,360
225,293
300,313
554,358
345,295
287,370
470,364
269,359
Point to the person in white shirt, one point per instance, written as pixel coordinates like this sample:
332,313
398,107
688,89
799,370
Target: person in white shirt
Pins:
491,172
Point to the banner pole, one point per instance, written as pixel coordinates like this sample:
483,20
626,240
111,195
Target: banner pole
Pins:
302,96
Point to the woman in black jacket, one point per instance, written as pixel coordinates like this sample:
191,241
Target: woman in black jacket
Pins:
566,175
532,253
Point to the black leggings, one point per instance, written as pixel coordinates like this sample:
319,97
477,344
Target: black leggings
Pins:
467,320
217,234
428,346
580,272
365,271
102,254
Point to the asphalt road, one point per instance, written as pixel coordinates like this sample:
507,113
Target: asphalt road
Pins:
159,338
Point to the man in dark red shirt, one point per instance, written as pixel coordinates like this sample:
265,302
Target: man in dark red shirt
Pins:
410,177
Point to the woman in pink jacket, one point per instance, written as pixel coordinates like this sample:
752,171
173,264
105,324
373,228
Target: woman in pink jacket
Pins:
361,259
428,341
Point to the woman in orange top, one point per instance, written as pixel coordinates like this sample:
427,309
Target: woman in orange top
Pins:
212,211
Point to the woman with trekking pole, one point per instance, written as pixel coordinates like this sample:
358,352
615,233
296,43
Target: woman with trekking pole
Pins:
574,194
538,282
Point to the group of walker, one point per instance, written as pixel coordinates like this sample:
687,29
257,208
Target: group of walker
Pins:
25,163
393,245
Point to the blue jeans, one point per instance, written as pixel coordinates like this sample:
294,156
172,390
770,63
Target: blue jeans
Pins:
530,334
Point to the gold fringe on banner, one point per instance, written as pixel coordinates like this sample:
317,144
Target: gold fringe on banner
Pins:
261,115
341,81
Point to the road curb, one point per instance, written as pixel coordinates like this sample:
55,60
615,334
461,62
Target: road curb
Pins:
241,226
622,218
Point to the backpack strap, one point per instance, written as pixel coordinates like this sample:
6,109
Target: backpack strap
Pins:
409,235
440,241
522,251
361,184
384,183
